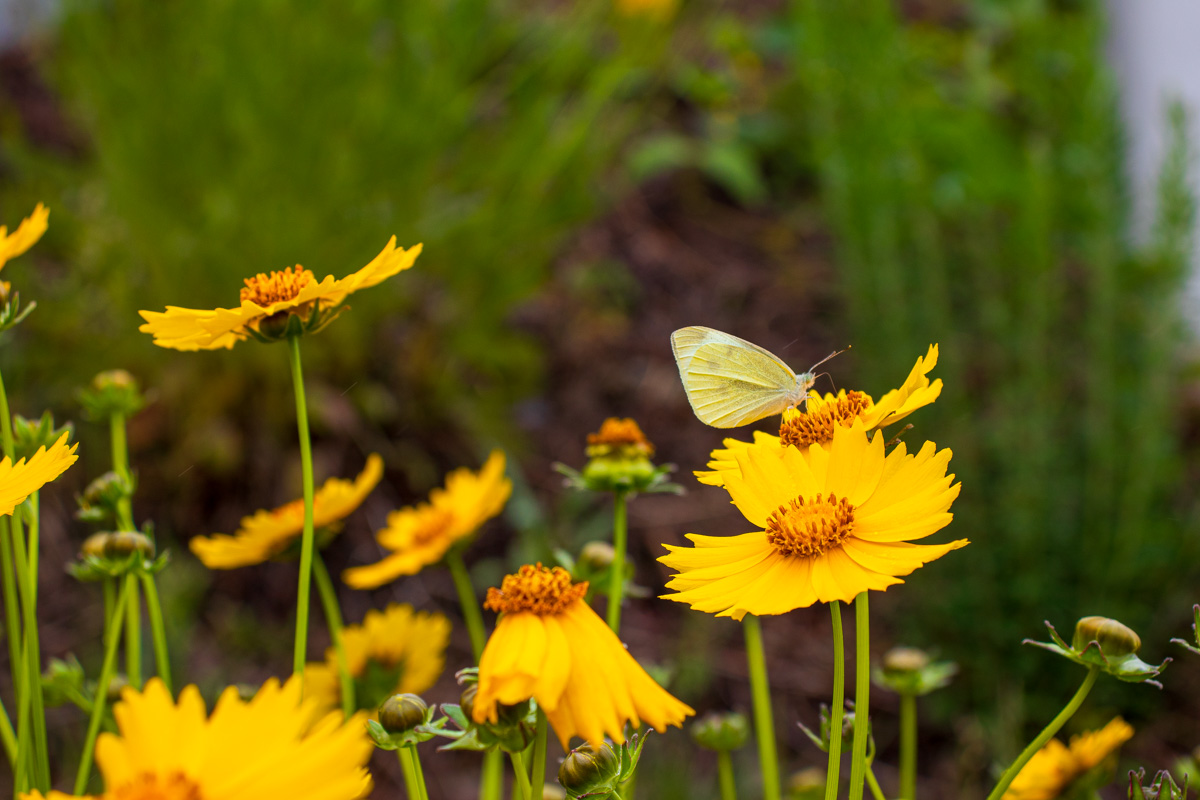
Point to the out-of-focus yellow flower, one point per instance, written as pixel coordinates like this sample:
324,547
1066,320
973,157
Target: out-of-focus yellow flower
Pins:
420,535
393,651
25,236
823,414
834,522
551,646
18,481
267,299
266,534
271,746
1055,766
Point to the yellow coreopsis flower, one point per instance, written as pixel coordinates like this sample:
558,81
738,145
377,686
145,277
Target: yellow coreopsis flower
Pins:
393,651
551,646
823,414
271,746
418,536
1052,769
834,522
18,481
266,534
267,299
25,236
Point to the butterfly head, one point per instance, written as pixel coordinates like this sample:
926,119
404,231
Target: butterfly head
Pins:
804,382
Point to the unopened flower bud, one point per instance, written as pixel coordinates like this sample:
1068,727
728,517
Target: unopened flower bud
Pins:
94,545
721,731
1163,787
467,700
596,556
115,685
589,769
402,712
807,784
905,659
112,392
125,543
1115,639
552,792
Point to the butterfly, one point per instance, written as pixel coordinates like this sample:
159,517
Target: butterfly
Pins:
731,382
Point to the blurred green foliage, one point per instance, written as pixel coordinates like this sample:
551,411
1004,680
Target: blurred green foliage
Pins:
972,177
241,137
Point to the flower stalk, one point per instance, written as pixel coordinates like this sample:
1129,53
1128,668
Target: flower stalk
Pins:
616,581
158,631
102,683
333,618
833,770
1047,733
862,689
522,778
908,746
300,650
538,777
764,723
725,775
467,600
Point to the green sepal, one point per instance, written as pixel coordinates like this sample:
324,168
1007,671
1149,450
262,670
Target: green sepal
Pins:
409,738
1162,788
29,436
11,314
1128,668
634,476
95,568
1195,633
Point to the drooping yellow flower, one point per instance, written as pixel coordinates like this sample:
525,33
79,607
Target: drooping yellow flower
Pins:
822,415
420,535
393,651
271,746
25,236
1052,769
18,481
833,522
266,534
551,646
271,297
619,437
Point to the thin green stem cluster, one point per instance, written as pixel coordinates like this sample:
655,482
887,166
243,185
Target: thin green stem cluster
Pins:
764,723
833,771
299,652
862,689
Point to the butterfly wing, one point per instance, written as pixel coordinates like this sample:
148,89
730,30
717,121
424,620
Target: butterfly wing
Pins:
729,381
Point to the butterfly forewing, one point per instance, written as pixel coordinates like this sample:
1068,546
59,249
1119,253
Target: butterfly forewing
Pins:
735,383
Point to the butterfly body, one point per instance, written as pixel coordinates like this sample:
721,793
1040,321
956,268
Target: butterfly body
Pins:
731,382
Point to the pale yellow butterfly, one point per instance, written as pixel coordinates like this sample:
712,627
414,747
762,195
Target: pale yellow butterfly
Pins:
731,382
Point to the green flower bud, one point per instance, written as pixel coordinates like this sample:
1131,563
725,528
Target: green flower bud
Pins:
905,659
596,556
402,712
552,792
29,436
102,498
723,732
1164,787
909,671
94,545
590,770
467,700
807,784
126,543
112,392
1115,639
115,685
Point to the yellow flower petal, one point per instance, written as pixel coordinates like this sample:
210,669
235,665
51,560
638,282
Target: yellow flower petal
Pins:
25,236
18,481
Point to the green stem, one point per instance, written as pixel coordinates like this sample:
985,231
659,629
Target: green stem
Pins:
299,654
833,771
1045,735
518,765
725,775
908,746
102,684
39,702
418,772
12,608
492,775
468,601
538,784
158,631
8,737
764,724
876,792
31,715
133,636
110,598
412,788
333,618
862,699
120,459
616,580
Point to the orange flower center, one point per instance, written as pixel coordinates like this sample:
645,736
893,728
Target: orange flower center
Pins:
619,436
543,591
149,786
432,526
807,528
804,428
280,285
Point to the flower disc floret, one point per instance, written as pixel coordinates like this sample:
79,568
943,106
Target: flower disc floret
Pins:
618,436
817,422
537,589
804,529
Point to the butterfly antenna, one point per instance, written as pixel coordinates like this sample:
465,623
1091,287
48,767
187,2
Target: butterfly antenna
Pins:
899,436
831,355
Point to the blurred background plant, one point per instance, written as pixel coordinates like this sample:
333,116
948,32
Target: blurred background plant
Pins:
587,178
